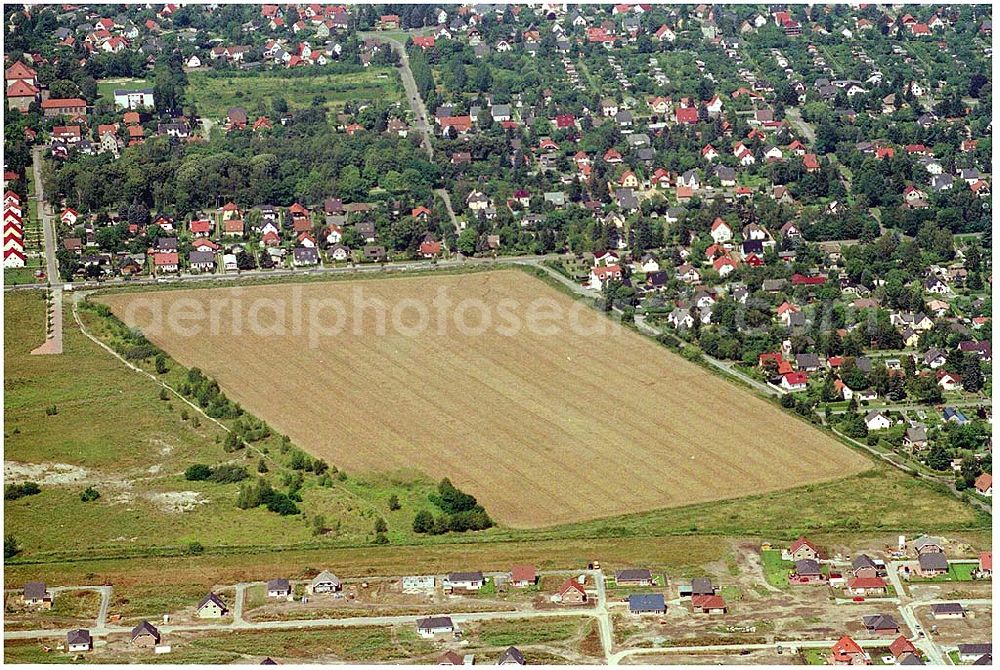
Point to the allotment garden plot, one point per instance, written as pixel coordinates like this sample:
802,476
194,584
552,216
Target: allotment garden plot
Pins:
570,420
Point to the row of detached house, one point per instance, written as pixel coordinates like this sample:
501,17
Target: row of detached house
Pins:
295,236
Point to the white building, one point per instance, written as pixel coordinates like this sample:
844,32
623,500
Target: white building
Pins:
136,99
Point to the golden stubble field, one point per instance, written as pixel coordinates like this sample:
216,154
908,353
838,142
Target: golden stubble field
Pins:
542,428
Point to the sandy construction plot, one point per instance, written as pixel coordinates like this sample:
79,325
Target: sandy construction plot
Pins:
543,428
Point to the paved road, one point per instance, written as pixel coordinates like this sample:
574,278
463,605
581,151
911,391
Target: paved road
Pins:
102,613
421,119
240,598
446,197
420,116
458,618
795,118
54,339
288,273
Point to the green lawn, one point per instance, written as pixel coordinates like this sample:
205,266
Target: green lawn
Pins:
775,569
815,656
213,94
106,87
25,275
957,572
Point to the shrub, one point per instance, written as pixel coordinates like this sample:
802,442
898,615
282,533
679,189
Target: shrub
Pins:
198,472
423,522
10,547
229,474
90,494
15,491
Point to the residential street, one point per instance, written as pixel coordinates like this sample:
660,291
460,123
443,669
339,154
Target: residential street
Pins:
794,117
420,116
54,341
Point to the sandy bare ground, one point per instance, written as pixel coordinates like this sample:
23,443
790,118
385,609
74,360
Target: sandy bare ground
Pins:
542,428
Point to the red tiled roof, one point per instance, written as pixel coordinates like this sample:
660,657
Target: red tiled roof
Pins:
523,573
795,378
845,647
569,585
165,258
708,602
59,103
687,115
20,89
19,71
866,583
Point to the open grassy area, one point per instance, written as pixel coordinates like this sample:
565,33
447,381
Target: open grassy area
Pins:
359,645
69,608
214,94
134,601
537,631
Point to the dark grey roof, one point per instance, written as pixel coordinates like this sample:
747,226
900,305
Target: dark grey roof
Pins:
465,577
933,561
946,608
807,360
512,655
305,254
985,659
280,584
863,561
212,598
432,622
145,628
774,284
880,622
975,648
633,575
702,586
807,566
35,590
78,636
910,659
197,257
646,602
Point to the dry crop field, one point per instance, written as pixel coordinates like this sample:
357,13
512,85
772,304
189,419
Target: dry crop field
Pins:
543,428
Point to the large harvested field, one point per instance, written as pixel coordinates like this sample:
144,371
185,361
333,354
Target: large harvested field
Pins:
544,428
